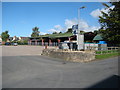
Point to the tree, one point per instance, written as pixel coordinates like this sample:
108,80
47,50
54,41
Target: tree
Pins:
35,32
88,36
60,32
5,36
82,32
110,23
54,33
96,32
23,41
69,30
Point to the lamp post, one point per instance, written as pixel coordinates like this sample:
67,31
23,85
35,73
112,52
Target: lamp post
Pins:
80,37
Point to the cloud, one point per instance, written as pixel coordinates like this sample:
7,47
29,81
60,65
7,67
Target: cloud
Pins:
42,33
70,22
96,13
83,25
53,30
57,28
92,28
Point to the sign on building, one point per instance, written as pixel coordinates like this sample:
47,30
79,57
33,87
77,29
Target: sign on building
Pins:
75,29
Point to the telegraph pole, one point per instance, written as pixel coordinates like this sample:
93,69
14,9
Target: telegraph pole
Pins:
80,37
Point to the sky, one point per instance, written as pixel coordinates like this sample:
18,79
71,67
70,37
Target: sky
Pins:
20,17
0,17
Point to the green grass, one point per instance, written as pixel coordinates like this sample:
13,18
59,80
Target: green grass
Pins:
104,52
105,56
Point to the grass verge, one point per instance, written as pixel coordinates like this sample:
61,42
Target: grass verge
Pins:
105,56
108,51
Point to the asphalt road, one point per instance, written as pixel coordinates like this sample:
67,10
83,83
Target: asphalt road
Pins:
35,71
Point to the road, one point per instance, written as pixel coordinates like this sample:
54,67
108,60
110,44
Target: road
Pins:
24,67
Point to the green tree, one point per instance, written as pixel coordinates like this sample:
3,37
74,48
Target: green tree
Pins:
69,30
60,32
82,32
5,36
110,23
96,32
54,33
35,32
23,41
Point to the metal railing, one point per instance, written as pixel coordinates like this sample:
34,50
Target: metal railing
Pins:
104,50
44,44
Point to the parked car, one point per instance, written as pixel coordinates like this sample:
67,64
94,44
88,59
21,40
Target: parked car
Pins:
7,43
15,44
68,45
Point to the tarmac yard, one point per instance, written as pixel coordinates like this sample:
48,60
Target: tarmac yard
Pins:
24,67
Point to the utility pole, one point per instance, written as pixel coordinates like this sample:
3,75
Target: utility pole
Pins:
80,37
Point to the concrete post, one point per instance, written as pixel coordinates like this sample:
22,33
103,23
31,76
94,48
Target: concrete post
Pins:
35,42
69,39
42,42
58,40
30,42
80,41
46,46
50,42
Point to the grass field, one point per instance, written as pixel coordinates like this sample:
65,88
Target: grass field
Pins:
104,56
107,51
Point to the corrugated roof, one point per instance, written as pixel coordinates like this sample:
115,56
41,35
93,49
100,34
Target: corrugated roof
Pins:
58,35
98,37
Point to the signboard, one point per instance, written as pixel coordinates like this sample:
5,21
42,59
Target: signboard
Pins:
80,38
75,29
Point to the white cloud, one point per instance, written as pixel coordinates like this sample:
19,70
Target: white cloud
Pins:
96,13
70,22
83,25
42,33
92,28
57,26
53,30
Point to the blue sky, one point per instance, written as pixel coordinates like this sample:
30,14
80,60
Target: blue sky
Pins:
0,17
20,17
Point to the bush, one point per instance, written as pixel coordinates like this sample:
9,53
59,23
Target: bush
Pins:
23,42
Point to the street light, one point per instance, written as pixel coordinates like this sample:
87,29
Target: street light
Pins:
79,17
80,38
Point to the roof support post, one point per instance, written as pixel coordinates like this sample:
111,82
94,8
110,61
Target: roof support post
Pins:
35,42
50,42
42,42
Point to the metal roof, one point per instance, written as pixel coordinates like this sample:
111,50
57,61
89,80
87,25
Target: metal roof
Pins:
98,37
55,35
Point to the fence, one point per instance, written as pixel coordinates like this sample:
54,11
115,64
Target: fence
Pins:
44,44
104,50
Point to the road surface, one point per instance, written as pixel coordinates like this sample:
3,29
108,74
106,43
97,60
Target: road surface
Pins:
24,67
